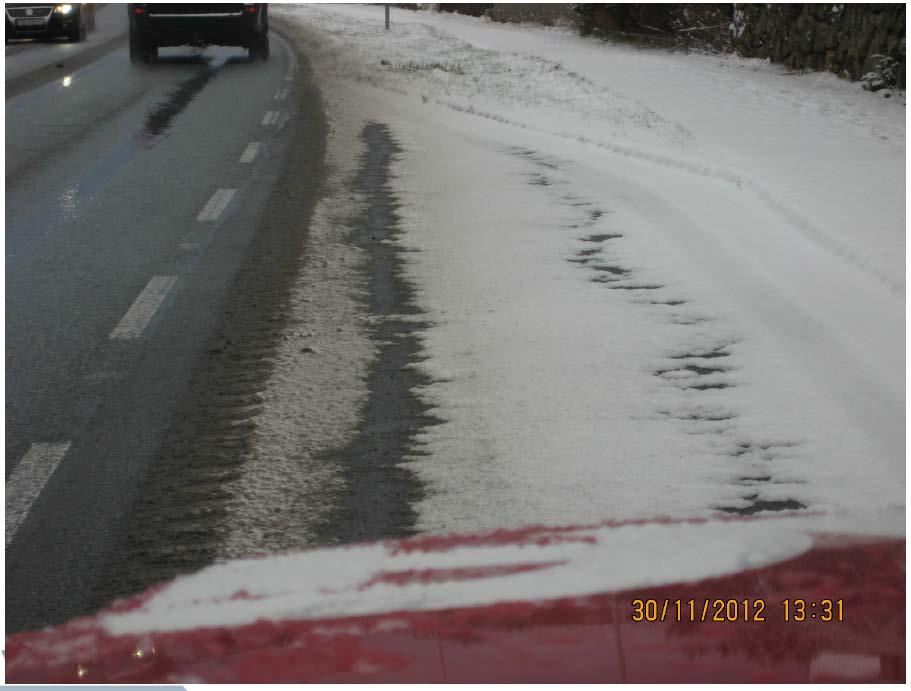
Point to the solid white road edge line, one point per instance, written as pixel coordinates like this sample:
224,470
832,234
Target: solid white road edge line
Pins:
250,153
144,307
213,208
292,59
270,118
28,479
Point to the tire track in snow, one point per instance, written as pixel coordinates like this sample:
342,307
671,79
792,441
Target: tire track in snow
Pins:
380,493
692,372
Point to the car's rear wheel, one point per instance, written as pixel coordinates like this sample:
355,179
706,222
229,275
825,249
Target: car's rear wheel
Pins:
137,49
140,50
259,49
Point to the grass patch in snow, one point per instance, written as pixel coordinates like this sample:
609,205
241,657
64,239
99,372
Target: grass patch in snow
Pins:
420,65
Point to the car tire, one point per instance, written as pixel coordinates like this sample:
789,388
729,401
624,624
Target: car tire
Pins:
139,49
259,50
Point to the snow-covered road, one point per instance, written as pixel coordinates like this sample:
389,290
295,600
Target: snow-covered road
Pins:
655,284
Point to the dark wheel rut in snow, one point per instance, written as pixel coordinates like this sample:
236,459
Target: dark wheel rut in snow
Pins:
380,494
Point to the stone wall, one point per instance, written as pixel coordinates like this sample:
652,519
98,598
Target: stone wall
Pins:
838,38
845,39
677,25
546,14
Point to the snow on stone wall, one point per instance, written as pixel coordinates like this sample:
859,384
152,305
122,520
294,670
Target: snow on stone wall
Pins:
845,39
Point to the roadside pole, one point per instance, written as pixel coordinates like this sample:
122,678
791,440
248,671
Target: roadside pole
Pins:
387,17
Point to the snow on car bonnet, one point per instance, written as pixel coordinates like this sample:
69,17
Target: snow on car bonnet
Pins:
445,572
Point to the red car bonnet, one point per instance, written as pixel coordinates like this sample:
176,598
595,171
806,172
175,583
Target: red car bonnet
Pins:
787,604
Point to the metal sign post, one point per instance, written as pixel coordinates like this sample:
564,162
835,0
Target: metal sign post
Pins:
387,17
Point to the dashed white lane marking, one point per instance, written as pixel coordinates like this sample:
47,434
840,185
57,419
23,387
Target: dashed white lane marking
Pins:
28,479
144,307
289,77
281,94
250,152
271,118
213,208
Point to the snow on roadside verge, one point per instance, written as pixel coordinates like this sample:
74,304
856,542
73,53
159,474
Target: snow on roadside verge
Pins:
578,296
825,155
608,348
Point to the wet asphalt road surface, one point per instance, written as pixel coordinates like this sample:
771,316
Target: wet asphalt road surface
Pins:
136,200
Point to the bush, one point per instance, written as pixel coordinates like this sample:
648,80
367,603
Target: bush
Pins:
885,76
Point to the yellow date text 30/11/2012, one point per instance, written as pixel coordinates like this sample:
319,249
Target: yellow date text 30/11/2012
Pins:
724,610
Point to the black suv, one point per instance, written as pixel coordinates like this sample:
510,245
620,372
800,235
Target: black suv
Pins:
47,20
156,24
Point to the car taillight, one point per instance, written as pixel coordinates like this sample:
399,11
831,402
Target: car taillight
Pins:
139,10
250,9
